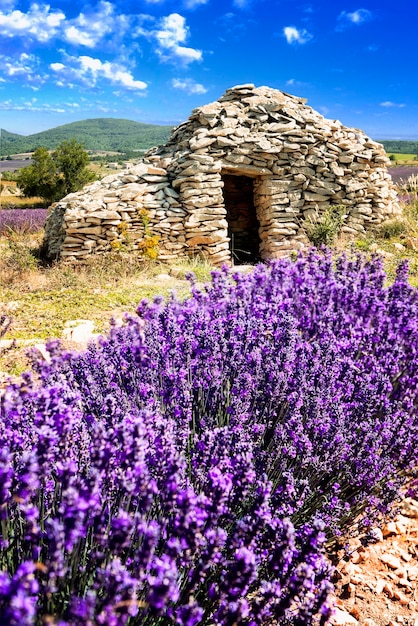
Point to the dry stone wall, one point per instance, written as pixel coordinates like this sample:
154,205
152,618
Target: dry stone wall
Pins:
295,162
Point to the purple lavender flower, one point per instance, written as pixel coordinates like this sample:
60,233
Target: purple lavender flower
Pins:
18,596
193,465
21,220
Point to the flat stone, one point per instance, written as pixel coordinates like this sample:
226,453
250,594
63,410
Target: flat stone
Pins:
342,618
391,560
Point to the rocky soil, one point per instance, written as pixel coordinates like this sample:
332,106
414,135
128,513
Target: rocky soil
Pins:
377,585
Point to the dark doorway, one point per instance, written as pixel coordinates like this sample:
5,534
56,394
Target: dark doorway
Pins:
242,219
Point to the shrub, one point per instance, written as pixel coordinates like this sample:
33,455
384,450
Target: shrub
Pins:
412,183
326,226
107,520
8,175
53,176
392,228
182,469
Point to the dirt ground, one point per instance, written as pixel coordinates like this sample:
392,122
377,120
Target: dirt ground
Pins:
377,585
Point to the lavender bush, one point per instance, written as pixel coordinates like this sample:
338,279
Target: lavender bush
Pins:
21,221
106,520
188,467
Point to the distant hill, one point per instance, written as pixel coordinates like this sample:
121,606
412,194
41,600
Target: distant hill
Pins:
96,134
400,147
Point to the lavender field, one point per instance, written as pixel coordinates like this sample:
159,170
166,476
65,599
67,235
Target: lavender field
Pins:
401,173
21,220
195,465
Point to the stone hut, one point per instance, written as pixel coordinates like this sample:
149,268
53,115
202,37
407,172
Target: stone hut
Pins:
236,182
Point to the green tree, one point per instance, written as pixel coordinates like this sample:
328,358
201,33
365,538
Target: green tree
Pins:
40,178
53,176
72,161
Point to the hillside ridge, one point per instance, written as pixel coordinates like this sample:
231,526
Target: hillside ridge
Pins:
109,134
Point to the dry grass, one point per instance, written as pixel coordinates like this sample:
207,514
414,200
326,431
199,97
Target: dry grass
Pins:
11,201
40,299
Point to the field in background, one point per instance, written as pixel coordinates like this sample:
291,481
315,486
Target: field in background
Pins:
403,158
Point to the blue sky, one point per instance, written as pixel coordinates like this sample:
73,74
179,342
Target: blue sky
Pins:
156,60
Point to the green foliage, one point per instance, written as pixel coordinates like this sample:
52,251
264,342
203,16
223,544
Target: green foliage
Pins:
40,178
392,228
325,228
52,176
71,161
9,176
96,134
398,146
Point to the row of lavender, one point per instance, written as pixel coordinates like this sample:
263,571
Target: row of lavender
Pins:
189,468
22,220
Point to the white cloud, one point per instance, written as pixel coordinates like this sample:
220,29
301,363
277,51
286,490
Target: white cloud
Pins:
360,16
293,82
295,35
172,32
241,4
76,36
57,67
43,24
389,104
39,23
11,105
192,4
90,71
23,68
188,85
89,28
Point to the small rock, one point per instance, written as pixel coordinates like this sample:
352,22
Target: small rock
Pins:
164,277
342,618
388,589
354,611
79,331
398,595
405,556
41,348
385,254
412,243
376,534
391,560
390,529
410,507
380,585
357,557
356,580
